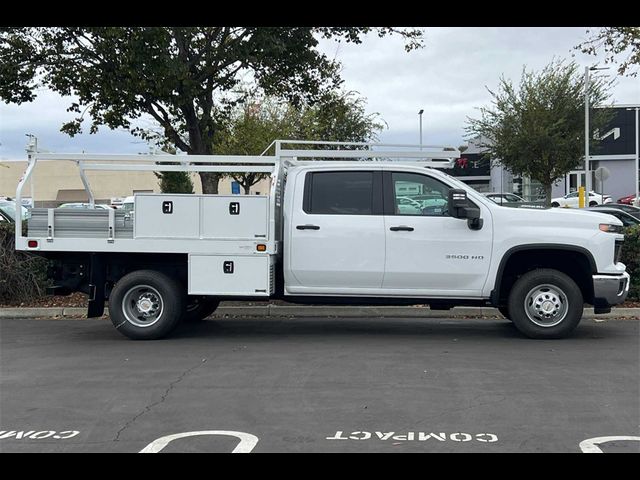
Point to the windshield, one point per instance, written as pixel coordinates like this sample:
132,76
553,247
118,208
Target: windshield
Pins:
9,209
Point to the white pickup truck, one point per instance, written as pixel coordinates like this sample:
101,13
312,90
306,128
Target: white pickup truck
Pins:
352,223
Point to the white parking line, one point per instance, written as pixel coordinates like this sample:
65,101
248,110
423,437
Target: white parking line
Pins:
591,445
246,444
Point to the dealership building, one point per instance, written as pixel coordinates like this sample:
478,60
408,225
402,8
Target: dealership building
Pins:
616,154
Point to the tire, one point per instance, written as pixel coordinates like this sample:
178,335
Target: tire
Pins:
199,307
146,305
593,204
504,310
555,204
545,303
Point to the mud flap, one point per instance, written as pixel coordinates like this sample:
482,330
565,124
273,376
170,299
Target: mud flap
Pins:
97,277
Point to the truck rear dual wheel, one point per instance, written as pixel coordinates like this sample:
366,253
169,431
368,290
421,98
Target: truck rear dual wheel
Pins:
545,303
146,305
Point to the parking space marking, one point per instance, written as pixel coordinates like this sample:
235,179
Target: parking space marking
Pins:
37,435
592,445
246,444
415,436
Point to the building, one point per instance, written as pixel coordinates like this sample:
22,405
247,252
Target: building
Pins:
473,168
616,152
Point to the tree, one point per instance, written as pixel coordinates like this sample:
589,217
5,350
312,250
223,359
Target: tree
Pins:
250,130
537,129
175,182
182,77
615,41
337,116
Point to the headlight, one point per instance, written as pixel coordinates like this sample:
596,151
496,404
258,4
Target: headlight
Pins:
607,227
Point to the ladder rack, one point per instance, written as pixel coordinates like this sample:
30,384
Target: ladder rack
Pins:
287,153
438,156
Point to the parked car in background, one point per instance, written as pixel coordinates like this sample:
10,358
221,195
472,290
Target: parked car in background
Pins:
630,209
571,200
128,204
627,219
409,206
8,210
501,198
430,200
85,206
628,200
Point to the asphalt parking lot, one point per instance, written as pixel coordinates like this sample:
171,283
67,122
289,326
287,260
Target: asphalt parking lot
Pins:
319,385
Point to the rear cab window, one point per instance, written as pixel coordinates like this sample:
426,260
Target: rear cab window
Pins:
343,193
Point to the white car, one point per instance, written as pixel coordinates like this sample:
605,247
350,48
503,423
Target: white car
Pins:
128,204
85,206
8,211
571,200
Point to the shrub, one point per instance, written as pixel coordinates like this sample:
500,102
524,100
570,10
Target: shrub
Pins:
631,258
22,275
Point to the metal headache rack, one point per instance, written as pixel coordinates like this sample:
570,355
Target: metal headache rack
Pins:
112,231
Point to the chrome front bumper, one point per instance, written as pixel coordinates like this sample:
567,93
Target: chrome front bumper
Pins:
610,289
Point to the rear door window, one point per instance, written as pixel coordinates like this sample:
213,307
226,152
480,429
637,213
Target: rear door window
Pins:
343,193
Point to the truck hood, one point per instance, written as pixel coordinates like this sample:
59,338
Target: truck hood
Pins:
560,216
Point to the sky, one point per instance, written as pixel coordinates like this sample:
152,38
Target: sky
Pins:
448,78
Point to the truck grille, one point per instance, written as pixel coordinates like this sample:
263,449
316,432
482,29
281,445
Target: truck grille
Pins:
617,251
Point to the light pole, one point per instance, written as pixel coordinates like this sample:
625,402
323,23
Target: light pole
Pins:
636,200
420,116
587,177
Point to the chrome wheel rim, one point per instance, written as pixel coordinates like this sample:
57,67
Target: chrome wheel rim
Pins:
142,306
546,305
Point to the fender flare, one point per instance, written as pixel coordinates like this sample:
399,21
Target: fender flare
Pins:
495,293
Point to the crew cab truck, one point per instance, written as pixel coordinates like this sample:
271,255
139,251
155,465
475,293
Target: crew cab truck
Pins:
335,227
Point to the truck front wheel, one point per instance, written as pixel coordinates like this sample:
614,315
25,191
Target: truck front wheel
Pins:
545,303
146,305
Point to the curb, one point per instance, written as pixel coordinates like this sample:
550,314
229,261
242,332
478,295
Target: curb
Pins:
315,311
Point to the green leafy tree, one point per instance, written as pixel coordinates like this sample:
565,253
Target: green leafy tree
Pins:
631,258
175,182
536,129
619,44
337,116
182,77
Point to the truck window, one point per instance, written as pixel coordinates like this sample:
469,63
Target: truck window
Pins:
415,194
339,193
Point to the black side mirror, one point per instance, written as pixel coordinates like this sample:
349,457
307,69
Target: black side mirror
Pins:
457,202
459,206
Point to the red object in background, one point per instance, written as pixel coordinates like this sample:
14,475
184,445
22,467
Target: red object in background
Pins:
628,200
462,162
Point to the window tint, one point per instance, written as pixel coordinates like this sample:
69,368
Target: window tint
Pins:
340,193
416,194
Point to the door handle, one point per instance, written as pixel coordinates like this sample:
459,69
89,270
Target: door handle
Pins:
402,228
308,227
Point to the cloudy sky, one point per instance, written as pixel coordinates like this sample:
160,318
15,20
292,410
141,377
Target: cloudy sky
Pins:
448,78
